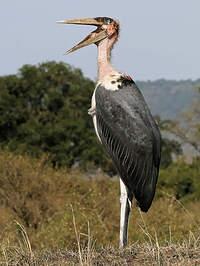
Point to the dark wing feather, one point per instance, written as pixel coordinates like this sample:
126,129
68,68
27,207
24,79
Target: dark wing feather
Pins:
132,139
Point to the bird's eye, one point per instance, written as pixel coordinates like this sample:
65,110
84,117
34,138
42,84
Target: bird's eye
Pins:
104,27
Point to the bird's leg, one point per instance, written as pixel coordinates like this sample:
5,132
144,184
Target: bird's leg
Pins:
124,216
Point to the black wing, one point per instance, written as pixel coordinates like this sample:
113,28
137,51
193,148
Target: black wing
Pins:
131,137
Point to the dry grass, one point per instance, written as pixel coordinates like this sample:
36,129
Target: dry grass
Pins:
70,217
187,253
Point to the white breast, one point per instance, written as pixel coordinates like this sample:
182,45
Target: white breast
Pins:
111,81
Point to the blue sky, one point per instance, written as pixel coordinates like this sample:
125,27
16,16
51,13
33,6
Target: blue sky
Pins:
158,39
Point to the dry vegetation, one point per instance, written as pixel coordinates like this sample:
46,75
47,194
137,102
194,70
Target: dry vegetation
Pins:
134,255
63,217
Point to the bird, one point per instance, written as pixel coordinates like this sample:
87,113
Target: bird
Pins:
123,123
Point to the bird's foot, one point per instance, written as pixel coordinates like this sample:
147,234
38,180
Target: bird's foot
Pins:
92,111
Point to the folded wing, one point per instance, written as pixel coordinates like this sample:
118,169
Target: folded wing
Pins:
131,138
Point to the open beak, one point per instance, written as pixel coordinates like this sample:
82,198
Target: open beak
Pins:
94,37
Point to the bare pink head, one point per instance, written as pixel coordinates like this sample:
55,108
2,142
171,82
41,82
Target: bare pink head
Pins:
104,37
106,28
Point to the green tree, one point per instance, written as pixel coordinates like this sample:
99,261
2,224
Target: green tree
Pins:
44,109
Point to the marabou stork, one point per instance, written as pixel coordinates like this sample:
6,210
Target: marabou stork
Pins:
123,123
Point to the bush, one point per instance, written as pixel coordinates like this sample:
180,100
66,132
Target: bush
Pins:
182,180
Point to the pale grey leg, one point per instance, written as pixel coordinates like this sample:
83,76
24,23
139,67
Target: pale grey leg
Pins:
124,216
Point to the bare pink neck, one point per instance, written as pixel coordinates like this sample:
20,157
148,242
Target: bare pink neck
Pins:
104,64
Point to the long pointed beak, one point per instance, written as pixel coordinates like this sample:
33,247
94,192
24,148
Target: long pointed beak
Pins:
93,37
84,21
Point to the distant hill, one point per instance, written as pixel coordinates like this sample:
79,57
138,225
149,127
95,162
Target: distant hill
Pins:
168,98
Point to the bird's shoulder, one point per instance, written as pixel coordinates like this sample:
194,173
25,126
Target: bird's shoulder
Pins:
115,81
